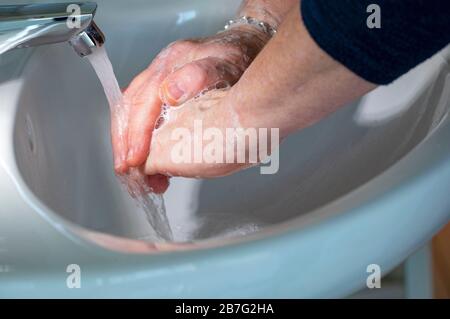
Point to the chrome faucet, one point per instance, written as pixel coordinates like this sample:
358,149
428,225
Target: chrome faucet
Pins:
36,24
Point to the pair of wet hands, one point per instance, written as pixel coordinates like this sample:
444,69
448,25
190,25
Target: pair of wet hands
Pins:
177,75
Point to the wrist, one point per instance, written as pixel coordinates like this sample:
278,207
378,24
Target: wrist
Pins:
262,12
248,34
249,39
252,23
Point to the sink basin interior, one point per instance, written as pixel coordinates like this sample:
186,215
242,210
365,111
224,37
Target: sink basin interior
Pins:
62,146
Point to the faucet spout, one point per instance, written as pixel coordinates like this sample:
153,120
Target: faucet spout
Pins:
37,24
86,41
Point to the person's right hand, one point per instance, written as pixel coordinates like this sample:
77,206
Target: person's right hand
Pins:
181,71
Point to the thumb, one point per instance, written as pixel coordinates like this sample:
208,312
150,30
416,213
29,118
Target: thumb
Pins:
197,76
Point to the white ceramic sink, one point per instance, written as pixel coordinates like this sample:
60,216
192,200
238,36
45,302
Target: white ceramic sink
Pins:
367,185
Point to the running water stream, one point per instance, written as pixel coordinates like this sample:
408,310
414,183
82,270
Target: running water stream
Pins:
152,204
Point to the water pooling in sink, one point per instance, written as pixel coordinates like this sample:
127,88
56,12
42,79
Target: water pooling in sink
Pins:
151,203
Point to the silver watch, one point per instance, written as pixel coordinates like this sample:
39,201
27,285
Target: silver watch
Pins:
263,26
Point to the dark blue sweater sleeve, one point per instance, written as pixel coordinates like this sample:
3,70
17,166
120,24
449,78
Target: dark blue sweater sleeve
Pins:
410,32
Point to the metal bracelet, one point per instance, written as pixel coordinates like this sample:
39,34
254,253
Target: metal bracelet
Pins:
263,26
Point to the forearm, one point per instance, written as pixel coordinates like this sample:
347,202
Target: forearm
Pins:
272,12
293,83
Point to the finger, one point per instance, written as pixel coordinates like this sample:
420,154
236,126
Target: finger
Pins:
163,62
197,76
146,107
119,139
158,183
119,126
144,112
123,149
138,183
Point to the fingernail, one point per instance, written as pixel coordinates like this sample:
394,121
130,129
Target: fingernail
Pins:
173,92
